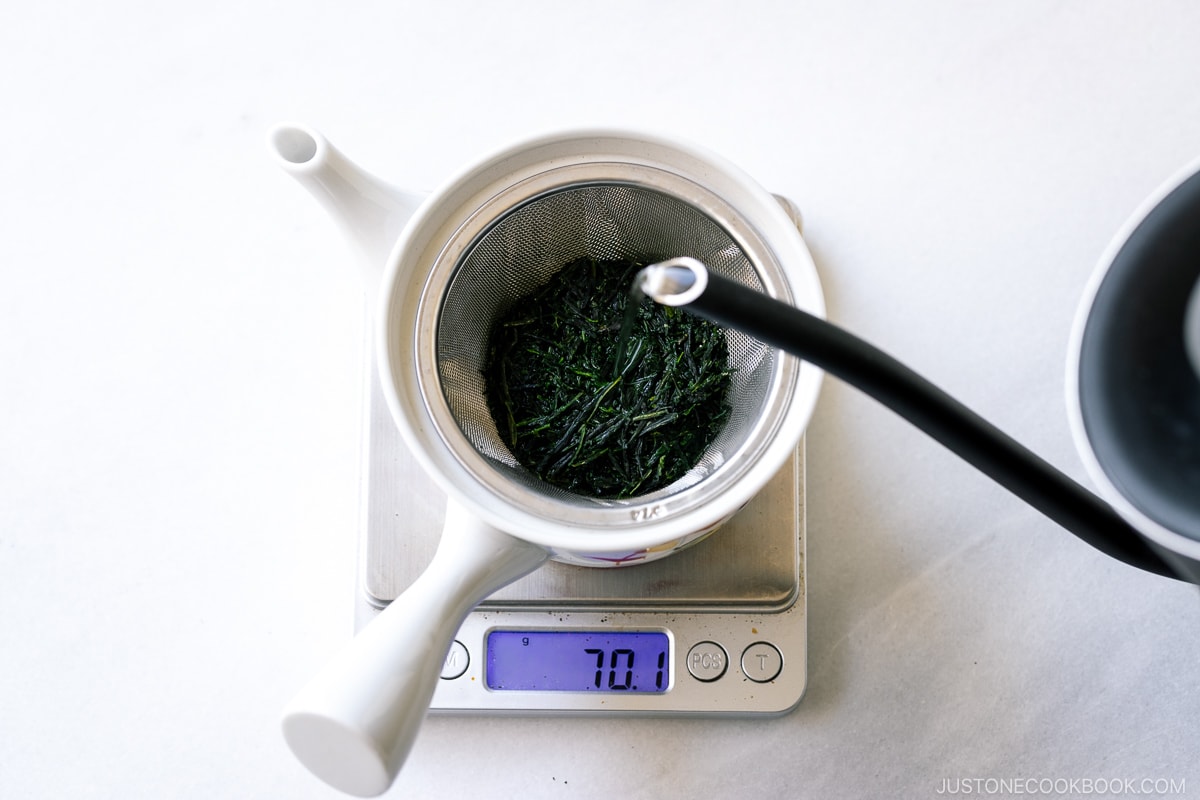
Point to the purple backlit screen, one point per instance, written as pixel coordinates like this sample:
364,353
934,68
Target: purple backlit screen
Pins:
578,661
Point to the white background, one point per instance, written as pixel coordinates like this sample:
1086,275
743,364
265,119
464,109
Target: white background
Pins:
181,333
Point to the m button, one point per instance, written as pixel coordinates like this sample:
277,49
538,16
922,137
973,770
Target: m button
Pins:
456,661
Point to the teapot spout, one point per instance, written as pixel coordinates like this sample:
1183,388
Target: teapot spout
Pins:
371,212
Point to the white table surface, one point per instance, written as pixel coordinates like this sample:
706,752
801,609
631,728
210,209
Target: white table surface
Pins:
180,374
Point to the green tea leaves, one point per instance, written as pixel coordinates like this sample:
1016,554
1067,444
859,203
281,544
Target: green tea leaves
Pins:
600,395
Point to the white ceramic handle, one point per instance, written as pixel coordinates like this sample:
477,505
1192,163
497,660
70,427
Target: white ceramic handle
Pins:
353,725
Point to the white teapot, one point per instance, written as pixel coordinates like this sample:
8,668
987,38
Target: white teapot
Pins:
447,265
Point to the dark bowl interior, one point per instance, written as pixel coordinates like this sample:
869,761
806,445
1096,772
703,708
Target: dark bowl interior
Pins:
1139,395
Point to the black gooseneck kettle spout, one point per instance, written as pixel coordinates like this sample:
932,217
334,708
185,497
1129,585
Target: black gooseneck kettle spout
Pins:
688,284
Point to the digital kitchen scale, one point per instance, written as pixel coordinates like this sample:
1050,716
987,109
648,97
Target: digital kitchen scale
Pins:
719,628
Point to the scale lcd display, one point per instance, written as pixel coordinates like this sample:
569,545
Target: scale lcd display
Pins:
578,661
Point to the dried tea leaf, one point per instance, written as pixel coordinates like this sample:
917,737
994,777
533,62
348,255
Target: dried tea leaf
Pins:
591,411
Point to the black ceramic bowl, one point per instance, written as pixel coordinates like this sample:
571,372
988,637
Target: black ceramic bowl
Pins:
1133,388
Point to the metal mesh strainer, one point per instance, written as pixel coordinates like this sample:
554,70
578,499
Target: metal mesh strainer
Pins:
525,246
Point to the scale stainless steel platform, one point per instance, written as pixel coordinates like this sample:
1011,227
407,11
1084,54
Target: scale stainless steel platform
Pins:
729,614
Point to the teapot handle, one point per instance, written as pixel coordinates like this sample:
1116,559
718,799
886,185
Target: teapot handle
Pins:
353,725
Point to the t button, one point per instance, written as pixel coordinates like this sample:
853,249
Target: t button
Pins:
761,662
